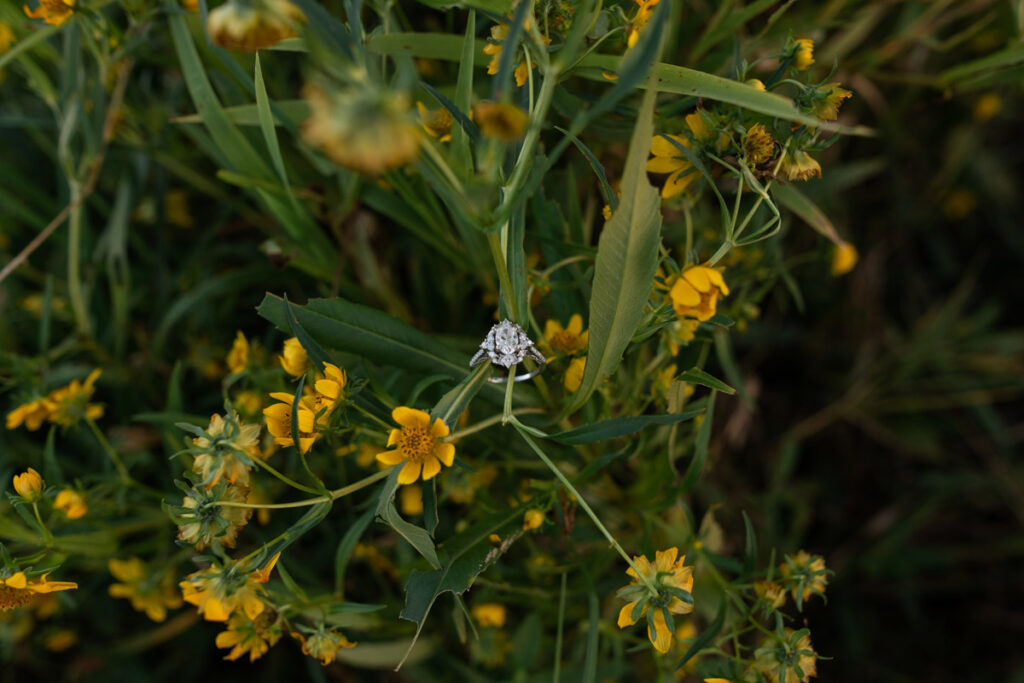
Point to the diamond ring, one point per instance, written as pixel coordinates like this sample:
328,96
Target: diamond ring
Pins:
507,345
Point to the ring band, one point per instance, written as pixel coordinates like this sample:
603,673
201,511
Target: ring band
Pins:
518,378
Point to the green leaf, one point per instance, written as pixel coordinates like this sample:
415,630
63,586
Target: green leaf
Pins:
750,545
700,454
797,202
618,426
455,401
697,376
316,514
249,114
463,156
627,256
417,537
492,6
346,546
387,654
313,350
469,553
266,119
706,636
1011,56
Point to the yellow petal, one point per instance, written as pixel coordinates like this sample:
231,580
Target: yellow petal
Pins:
676,184
661,147
683,294
626,615
431,466
663,640
228,639
390,457
445,452
410,417
551,328
282,396
666,164
214,610
576,324
394,436
409,473
439,429
666,559
718,281
17,580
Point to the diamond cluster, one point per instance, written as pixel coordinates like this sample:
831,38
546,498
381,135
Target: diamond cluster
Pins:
506,344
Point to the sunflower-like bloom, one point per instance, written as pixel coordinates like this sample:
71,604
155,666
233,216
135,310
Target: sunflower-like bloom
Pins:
70,404
574,374
569,340
803,53
366,129
827,100
29,485
695,293
150,592
790,659
238,356
329,390
324,644
500,120
669,159
643,14
31,414
201,518
844,258
253,25
72,503
17,589
674,583
436,122
489,614
252,636
279,421
293,358
807,575
799,165
53,12
418,444
219,592
758,145
226,450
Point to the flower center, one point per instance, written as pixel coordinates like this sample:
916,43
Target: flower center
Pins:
416,443
11,598
564,341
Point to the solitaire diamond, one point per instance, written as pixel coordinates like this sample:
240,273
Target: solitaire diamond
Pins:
506,345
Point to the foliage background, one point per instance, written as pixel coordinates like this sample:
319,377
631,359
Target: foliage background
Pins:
886,425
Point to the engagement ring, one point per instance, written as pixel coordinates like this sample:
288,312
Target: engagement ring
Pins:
507,345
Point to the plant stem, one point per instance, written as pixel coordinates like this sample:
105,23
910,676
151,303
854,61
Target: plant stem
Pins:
331,495
583,504
47,536
291,482
484,424
506,414
74,260
114,457
498,254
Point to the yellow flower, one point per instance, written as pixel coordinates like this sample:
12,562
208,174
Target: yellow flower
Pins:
411,500
418,444
293,358
31,414
695,294
679,333
29,485
53,12
202,519
803,53
71,403
758,145
771,593
505,122
252,636
827,100
324,645
17,590
756,84
806,573
366,129
532,519
788,660
568,340
673,581
238,356
643,14
219,592
985,107
574,374
254,25
668,159
6,37
329,389
494,47
799,165
844,258
72,503
437,123
150,592
249,403
226,450
279,421
489,614
663,379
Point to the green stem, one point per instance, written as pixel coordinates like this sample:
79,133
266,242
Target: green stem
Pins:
75,293
506,414
484,424
291,482
114,457
47,536
331,495
583,504
498,254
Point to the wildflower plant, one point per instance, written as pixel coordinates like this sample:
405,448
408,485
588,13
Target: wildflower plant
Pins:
329,476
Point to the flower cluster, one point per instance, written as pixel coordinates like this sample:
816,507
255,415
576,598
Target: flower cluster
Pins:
64,406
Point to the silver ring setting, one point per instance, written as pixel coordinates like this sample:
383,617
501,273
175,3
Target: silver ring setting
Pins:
507,344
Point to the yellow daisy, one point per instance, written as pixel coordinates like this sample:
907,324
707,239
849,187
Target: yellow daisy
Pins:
695,293
417,443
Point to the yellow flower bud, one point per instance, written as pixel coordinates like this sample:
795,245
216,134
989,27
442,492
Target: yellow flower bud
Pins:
29,485
72,503
532,519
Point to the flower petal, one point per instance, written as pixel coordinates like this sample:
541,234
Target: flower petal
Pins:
666,165
409,473
431,466
392,457
445,452
661,147
626,615
576,324
683,294
410,417
663,640
698,277
439,429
